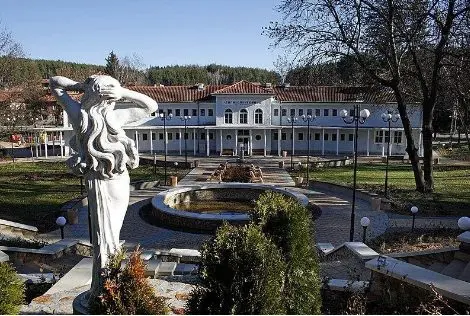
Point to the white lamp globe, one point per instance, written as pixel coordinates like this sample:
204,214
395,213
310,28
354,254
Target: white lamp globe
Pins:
61,221
414,209
365,221
384,116
343,113
170,115
189,117
365,113
464,223
397,116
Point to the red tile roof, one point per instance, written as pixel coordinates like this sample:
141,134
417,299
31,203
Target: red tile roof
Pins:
243,87
169,94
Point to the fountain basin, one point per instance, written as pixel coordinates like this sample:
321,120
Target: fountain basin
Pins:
205,207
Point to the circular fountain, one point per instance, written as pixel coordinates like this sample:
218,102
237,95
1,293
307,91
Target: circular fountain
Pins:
205,207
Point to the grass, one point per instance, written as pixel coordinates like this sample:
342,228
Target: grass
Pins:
33,193
451,195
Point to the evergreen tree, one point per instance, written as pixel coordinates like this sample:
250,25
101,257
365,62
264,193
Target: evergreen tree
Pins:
112,65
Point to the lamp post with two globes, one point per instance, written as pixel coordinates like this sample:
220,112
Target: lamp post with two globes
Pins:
165,118
308,119
389,117
358,117
292,119
185,118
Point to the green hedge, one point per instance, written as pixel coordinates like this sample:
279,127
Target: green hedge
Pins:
11,290
288,224
242,273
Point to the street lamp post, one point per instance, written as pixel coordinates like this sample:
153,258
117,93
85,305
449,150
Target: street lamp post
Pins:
414,211
292,119
308,119
356,118
185,119
164,118
389,117
365,222
61,221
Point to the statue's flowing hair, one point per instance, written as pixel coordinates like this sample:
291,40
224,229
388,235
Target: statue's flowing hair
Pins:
100,144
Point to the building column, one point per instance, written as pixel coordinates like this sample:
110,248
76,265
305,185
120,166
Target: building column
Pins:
367,146
279,133
236,143
265,142
136,136
179,132
250,149
383,143
166,142
61,139
221,143
45,146
337,142
194,141
36,138
53,143
207,143
323,141
151,141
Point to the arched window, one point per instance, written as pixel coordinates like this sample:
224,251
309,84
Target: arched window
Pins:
259,116
243,116
228,116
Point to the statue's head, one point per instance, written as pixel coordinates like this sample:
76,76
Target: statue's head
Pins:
93,86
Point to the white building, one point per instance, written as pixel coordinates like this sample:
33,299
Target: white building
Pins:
224,117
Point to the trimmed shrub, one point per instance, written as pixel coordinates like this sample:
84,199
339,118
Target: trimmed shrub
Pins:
242,272
11,290
288,224
127,291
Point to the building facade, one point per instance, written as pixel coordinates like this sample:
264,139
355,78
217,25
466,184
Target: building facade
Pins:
257,119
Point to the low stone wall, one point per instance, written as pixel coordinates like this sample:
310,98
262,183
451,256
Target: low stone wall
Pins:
17,229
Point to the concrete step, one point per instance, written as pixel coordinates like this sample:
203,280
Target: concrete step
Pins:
151,268
454,268
437,267
186,269
465,275
460,255
166,268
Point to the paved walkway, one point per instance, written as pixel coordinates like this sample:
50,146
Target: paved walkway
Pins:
332,226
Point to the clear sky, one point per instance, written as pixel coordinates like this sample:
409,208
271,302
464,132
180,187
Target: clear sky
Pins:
161,32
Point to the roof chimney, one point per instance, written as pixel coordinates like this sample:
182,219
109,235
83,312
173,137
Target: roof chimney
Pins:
200,86
286,85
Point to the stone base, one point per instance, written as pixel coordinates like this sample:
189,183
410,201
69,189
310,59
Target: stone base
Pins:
80,304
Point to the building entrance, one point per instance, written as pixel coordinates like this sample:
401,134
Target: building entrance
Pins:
244,141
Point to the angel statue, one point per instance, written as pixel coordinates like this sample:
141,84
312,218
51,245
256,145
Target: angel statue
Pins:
102,152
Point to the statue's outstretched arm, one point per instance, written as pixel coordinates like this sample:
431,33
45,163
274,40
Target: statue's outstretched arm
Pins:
59,87
128,114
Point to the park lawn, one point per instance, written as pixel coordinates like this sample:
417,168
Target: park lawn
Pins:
450,197
32,193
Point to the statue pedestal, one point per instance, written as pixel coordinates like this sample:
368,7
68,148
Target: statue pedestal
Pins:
80,304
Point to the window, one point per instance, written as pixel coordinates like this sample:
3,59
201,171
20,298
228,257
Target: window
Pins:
177,112
292,112
203,136
228,116
243,116
275,136
170,136
309,112
258,137
397,137
276,112
243,132
193,135
326,112
351,112
379,136
351,137
169,112
342,137
325,136
177,136
334,112
144,136
194,112
258,116
211,135
160,111
283,136
210,112
203,112
185,135
300,136
317,136
185,112
284,112
160,136
334,137
229,137
154,136
317,112
301,112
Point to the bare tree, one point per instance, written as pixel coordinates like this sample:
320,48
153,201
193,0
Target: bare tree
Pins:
283,65
10,50
395,42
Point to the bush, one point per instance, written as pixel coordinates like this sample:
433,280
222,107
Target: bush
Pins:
242,273
288,224
128,291
11,290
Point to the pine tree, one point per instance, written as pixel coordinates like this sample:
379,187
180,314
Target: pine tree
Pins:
112,65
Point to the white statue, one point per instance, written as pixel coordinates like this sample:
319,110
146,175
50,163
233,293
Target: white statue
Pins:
102,154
